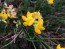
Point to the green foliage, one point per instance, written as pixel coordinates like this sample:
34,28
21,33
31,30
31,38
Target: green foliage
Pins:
53,15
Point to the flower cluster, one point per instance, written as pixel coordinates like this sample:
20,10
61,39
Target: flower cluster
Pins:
30,19
8,12
34,19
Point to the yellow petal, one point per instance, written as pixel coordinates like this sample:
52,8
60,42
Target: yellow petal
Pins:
37,31
29,14
62,48
35,15
0,14
50,1
24,18
58,46
9,15
31,22
4,16
40,21
39,15
39,25
42,28
25,24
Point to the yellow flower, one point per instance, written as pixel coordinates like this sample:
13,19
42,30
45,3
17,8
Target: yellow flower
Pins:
4,15
35,19
50,1
28,19
39,26
59,47
29,22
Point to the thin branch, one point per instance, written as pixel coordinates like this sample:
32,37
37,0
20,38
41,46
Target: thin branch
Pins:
33,44
14,38
57,29
7,44
53,38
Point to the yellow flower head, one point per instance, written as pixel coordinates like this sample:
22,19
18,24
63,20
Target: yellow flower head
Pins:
35,19
39,26
28,19
59,47
50,1
3,15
